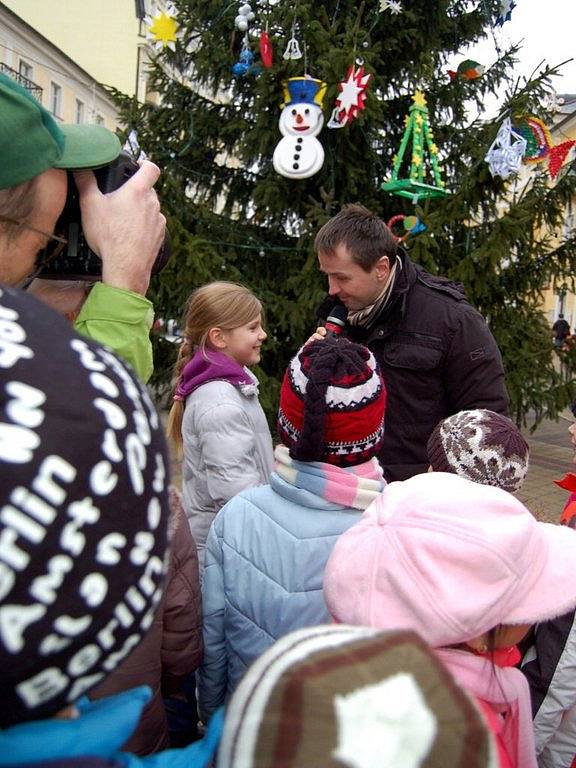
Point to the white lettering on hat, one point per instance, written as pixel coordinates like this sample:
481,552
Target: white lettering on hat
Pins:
144,544
14,621
104,384
110,446
71,626
82,513
94,589
44,483
17,444
154,513
44,588
142,427
10,553
11,337
83,660
108,548
136,601
102,479
87,357
106,635
136,460
42,687
15,520
33,505
7,579
53,644
115,416
159,474
145,582
24,407
115,658
83,684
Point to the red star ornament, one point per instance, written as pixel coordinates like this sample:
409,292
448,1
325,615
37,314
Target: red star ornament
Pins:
557,155
352,94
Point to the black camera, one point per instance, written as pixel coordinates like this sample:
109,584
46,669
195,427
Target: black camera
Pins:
75,260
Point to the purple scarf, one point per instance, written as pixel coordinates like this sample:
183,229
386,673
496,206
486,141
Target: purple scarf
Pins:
208,365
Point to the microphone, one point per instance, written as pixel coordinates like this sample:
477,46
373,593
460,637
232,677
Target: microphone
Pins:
336,320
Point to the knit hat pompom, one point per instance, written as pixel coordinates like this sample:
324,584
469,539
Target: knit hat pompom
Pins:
332,403
481,445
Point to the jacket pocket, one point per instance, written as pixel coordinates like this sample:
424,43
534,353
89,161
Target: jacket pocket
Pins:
412,356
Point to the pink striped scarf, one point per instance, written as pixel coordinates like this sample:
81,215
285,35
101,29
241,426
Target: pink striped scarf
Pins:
354,487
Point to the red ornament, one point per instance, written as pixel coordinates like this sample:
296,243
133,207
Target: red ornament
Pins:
557,155
265,49
352,94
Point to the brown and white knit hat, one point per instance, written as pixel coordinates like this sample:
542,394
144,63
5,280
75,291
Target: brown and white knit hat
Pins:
339,695
481,445
332,403
83,511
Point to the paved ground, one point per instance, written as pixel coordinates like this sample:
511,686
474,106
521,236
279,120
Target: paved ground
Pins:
550,458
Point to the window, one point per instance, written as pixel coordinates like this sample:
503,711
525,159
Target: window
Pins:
25,69
99,119
79,111
55,99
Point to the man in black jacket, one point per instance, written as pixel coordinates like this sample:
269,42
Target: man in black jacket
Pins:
435,350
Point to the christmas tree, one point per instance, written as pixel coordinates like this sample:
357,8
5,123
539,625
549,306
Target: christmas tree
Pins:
232,216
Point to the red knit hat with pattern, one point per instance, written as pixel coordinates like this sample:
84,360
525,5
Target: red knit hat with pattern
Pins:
332,403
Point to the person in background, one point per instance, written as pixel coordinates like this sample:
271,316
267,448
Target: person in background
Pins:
561,331
267,547
216,418
468,568
83,544
125,227
350,696
481,445
435,350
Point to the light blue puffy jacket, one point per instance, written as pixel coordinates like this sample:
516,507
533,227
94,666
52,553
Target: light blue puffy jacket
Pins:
265,559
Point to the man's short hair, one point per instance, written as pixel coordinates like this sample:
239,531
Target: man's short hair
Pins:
365,236
16,205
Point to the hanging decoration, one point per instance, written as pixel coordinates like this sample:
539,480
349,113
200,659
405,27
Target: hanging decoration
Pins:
351,99
132,146
467,70
265,49
245,65
411,225
505,12
394,6
299,154
244,18
292,52
553,102
539,144
504,157
419,132
162,28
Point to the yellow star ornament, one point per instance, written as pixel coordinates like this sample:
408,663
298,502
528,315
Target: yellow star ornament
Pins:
162,28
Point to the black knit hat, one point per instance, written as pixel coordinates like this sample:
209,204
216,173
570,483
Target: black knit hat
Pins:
481,445
332,403
83,511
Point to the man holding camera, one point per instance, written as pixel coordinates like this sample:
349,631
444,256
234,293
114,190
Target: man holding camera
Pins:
125,227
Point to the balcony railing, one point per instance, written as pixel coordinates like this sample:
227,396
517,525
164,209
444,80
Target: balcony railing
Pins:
29,85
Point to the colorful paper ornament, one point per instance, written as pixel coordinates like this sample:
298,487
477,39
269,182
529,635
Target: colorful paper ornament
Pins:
265,49
504,157
132,146
539,144
411,225
467,70
162,28
553,102
351,98
394,6
299,154
418,130
505,13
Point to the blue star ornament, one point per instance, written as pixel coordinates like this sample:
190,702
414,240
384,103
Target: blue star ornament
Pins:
506,8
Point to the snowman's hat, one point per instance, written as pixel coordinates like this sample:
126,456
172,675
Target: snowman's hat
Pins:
304,90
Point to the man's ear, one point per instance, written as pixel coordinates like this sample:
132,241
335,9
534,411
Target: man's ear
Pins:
383,268
216,338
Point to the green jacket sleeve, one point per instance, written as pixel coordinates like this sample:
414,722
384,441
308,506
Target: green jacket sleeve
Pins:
122,321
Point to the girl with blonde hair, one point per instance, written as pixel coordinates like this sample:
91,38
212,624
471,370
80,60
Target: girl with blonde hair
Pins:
216,418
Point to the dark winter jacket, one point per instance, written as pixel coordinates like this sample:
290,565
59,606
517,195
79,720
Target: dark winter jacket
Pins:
438,357
172,648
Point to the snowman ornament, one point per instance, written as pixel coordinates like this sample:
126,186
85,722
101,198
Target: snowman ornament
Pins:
299,154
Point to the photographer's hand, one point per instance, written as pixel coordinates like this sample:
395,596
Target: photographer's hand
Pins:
125,227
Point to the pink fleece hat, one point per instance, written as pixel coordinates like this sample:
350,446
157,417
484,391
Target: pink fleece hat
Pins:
450,559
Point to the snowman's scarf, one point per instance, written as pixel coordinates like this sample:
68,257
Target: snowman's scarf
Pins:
367,315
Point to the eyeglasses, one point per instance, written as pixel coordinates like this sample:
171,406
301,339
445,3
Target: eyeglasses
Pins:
62,241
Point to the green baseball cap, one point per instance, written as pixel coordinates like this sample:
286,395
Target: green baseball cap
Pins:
31,141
